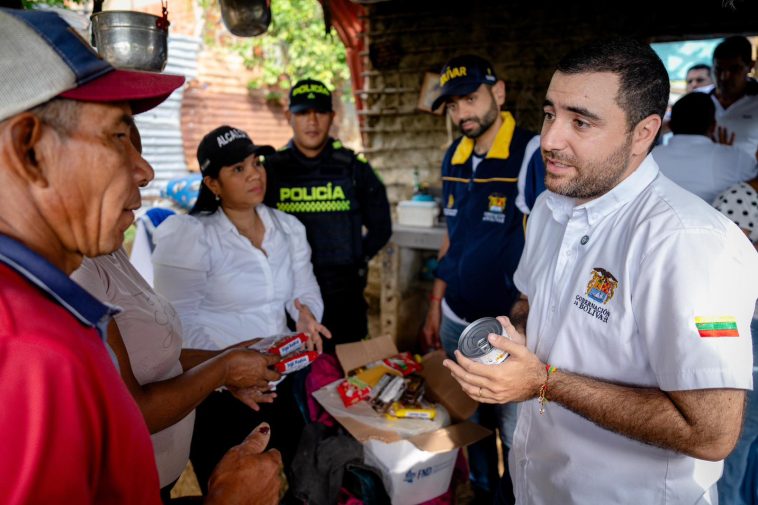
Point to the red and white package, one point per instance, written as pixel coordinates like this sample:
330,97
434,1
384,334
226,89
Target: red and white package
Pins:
352,391
289,345
295,362
403,363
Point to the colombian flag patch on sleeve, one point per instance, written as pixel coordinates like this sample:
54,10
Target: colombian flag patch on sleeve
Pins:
717,326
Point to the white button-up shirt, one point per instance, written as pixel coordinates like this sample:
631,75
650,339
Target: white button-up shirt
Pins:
225,289
741,118
702,166
615,286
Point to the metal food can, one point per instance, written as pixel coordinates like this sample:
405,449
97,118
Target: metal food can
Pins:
474,345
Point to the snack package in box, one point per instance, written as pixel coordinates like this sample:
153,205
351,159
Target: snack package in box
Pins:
412,412
403,363
353,390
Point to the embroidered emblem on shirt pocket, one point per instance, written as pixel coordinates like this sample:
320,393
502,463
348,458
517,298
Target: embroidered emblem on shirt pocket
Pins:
496,208
600,290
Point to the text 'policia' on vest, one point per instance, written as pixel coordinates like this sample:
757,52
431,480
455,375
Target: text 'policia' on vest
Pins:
328,198
328,194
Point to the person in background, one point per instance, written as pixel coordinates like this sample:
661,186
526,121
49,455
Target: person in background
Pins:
234,269
740,204
699,78
167,382
736,94
691,158
335,194
630,346
69,177
490,178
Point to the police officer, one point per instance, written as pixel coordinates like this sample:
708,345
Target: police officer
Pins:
336,195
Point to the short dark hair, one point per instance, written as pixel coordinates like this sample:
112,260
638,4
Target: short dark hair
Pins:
644,83
693,114
698,66
734,46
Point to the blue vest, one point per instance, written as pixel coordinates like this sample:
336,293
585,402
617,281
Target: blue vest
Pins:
485,227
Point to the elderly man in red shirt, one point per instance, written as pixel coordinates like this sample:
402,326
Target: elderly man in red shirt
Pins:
69,185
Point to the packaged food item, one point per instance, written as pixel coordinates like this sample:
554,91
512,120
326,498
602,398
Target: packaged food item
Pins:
427,412
403,363
373,375
474,345
288,344
353,390
295,362
380,385
388,395
414,391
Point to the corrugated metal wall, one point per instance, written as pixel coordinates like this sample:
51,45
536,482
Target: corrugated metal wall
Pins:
161,127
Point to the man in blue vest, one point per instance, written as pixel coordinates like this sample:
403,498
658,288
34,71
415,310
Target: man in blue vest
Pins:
490,178
335,194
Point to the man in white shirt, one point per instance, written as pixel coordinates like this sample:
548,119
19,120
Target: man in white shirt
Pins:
692,160
736,95
638,296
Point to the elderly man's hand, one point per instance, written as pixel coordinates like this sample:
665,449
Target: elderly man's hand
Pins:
246,474
516,379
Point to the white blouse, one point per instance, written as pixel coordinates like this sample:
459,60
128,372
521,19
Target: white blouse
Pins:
224,288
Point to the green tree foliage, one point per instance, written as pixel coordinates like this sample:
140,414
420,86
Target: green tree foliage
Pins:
32,4
295,47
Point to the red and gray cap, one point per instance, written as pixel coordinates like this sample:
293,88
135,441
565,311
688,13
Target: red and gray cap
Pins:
42,57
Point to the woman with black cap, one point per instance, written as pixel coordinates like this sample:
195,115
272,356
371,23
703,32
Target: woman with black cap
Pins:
234,269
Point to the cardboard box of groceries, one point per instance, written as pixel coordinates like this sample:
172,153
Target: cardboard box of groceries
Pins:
416,457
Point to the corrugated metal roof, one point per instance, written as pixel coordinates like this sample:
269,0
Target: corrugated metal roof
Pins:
161,127
216,93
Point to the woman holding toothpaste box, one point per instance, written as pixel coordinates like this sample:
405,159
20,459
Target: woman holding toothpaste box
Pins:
233,269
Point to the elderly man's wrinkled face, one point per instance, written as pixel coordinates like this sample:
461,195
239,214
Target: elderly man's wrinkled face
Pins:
94,174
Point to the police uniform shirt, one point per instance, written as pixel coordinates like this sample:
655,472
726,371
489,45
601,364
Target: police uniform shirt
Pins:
645,285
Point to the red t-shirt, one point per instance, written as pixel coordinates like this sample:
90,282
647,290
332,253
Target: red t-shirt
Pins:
69,430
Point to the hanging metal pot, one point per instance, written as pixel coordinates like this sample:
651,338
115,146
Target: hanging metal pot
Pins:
246,18
132,40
